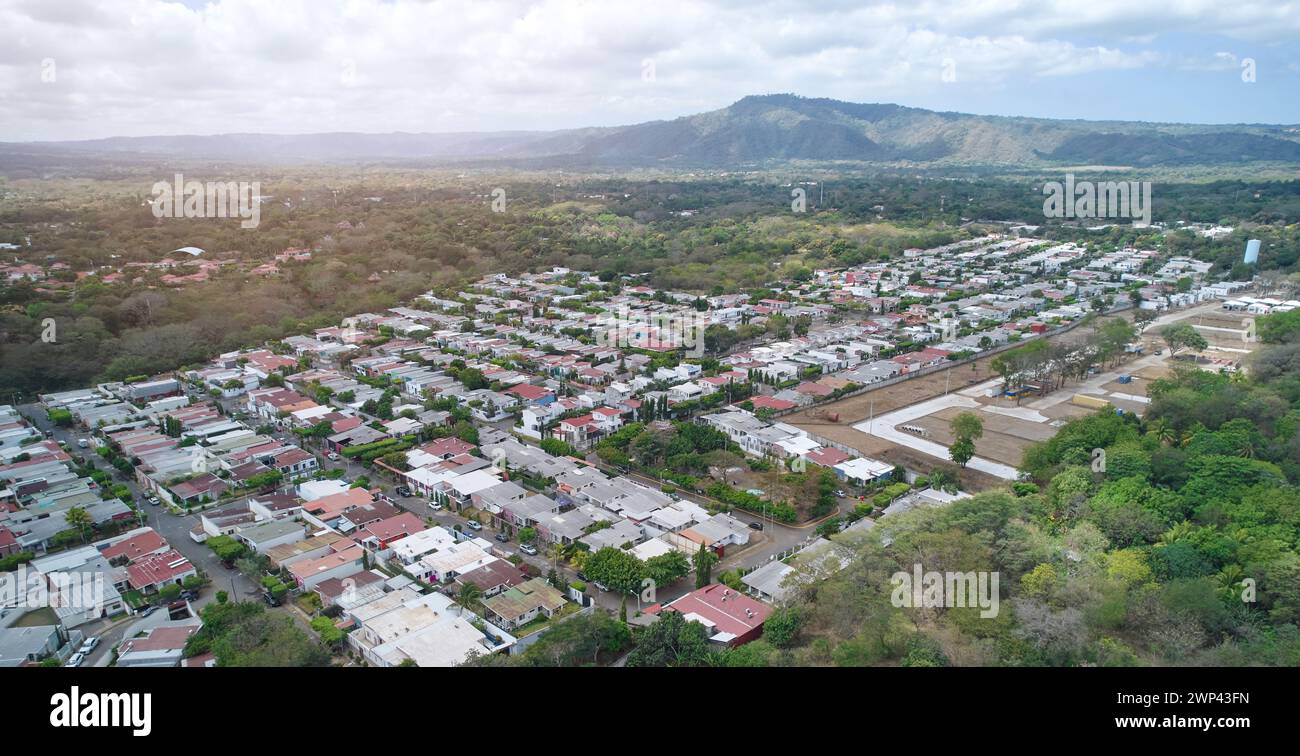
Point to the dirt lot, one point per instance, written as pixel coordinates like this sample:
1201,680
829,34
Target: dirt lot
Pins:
1005,438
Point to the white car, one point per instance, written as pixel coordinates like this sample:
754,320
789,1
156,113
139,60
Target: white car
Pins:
332,456
89,645
75,660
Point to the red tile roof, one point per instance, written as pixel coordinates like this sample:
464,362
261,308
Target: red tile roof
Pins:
729,610
133,548
158,569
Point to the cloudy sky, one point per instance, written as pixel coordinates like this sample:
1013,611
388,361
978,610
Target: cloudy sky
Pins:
81,69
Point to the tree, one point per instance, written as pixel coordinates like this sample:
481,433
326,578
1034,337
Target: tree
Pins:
962,451
704,560
557,448
527,535
469,593
667,568
329,634
1182,336
79,520
672,642
615,568
967,425
782,627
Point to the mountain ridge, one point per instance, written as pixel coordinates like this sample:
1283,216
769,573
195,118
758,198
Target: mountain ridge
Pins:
754,130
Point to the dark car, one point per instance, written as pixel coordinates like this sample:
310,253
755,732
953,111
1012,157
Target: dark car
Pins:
148,610
402,491
756,525
270,599
190,595
502,537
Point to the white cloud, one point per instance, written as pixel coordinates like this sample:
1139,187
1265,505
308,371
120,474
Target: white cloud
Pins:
149,67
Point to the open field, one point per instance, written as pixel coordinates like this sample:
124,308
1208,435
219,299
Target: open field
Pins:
870,422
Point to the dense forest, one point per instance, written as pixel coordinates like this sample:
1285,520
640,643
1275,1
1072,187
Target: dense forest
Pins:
382,237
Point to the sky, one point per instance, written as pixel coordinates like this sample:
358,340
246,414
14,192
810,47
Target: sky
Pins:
85,69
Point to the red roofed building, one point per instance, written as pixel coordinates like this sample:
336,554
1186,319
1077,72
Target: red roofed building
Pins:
446,448
827,456
531,394
8,543
381,534
153,572
731,617
771,403
346,424
929,357
134,548
814,389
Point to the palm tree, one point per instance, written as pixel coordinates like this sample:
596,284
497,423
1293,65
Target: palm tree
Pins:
1164,432
80,520
1179,532
469,593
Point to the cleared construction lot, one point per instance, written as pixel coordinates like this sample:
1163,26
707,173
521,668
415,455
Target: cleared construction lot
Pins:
908,423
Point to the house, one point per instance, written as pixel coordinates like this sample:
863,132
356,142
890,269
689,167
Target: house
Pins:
153,572
493,577
26,646
521,604
307,573
267,535
862,470
135,547
161,646
715,534
428,630
730,617
584,430
358,588
379,535
310,548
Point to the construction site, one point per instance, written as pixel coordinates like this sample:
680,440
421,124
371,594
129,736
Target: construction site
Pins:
908,422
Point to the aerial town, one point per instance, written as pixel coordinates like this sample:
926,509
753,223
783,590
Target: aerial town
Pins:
449,480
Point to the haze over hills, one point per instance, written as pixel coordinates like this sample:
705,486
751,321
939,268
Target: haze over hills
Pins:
752,131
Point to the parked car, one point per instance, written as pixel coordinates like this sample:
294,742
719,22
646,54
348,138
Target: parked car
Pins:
840,493
154,500
332,456
434,506
502,537
270,599
83,443
75,660
755,525
528,549
474,525
402,491
148,610
602,587
89,645
190,595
